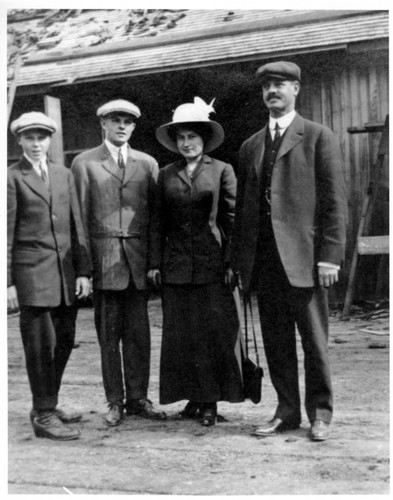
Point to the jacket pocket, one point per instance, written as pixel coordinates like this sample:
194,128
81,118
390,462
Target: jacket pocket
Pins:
26,256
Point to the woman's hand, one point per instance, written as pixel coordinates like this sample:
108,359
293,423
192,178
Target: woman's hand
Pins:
154,277
83,287
12,299
230,278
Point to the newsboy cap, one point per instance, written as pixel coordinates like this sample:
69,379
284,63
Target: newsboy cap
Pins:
119,106
33,120
283,70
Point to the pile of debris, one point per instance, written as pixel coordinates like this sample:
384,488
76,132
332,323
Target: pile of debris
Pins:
46,32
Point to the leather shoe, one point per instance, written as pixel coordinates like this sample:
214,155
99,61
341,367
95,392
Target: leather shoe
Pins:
114,415
191,410
47,424
209,414
319,431
66,418
144,408
70,417
274,426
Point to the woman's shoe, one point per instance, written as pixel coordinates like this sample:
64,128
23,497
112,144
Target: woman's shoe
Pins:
191,410
209,414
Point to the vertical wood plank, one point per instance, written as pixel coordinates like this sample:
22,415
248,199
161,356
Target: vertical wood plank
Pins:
355,194
52,106
316,100
326,109
374,107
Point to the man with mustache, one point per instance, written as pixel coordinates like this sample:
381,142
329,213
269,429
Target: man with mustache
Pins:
288,245
116,186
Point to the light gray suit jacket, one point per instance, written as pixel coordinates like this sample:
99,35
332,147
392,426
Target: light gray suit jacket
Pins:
117,213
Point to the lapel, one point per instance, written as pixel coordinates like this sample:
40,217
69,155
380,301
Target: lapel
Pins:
56,184
259,152
182,173
33,180
206,160
293,135
109,163
131,165
202,165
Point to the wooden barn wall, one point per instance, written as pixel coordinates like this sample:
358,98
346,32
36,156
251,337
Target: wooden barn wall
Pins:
350,95
338,90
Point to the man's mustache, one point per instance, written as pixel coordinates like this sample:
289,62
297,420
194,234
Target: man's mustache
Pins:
270,96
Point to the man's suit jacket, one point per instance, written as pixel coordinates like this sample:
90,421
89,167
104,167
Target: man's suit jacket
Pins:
116,209
308,202
196,219
46,245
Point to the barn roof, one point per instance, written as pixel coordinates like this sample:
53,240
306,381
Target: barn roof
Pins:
59,47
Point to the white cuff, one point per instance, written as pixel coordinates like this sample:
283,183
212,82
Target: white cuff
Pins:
328,264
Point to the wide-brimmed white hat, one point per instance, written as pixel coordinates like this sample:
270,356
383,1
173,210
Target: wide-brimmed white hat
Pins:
189,113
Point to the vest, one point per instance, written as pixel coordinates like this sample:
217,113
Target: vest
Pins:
269,159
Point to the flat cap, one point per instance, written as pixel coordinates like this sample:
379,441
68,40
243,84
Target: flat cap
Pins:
283,70
33,120
119,106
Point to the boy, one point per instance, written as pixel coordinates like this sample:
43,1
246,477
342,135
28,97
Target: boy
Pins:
47,265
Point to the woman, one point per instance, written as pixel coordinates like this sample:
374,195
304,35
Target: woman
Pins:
196,200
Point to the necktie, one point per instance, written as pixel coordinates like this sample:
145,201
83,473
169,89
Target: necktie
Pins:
277,135
120,160
270,164
44,177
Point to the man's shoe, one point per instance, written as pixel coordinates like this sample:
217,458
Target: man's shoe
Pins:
274,426
66,418
144,408
70,417
47,424
114,415
319,431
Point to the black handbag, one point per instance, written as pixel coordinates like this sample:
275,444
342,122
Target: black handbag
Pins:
252,371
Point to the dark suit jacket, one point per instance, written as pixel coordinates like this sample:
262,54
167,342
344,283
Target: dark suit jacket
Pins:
196,220
308,202
46,245
117,214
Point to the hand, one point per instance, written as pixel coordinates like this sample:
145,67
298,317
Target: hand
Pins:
327,276
12,298
231,279
154,276
83,287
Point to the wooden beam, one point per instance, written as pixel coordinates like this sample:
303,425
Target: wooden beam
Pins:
52,107
368,127
13,86
373,245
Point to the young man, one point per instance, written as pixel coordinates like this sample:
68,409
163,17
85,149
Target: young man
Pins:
288,243
47,266
116,186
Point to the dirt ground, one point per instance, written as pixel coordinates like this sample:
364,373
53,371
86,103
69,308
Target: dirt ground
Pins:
142,457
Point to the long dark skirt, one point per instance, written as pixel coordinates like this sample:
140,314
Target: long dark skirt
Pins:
200,331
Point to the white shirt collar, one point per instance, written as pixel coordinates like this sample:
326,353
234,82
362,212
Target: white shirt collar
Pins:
36,164
283,121
114,150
